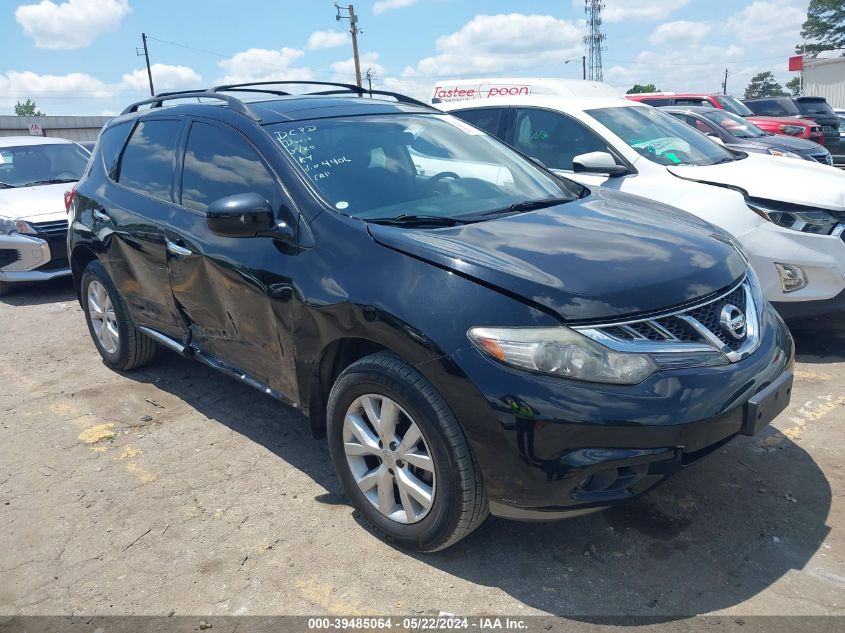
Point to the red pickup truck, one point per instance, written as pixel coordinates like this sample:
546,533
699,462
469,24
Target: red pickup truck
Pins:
802,128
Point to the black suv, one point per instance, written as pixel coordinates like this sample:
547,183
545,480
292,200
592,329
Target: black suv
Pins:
812,108
472,333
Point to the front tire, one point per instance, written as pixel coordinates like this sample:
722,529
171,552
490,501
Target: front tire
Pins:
120,343
5,288
402,457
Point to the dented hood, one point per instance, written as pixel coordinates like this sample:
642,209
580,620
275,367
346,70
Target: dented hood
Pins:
801,182
607,255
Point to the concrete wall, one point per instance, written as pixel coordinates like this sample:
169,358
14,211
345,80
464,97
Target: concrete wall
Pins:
75,128
826,78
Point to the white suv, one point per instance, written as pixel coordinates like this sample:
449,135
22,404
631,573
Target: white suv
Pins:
788,215
34,174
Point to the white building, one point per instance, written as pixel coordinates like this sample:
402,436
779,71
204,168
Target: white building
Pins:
826,78
75,128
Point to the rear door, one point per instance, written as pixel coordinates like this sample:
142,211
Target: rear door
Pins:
129,215
222,283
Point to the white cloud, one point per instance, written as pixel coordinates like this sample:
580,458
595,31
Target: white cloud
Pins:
502,43
165,77
643,10
681,30
770,21
344,71
386,5
261,64
46,90
326,39
71,24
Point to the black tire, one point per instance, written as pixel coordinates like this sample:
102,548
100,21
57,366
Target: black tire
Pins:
460,502
5,288
134,348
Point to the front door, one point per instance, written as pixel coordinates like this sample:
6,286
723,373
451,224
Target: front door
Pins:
221,283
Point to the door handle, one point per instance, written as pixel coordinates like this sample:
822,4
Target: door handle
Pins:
179,251
101,215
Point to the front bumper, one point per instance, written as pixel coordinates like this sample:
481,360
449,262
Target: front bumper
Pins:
29,258
821,257
551,447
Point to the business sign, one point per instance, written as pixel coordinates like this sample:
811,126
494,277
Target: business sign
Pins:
443,93
796,63
35,130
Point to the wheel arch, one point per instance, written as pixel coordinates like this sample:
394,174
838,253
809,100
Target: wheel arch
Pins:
80,258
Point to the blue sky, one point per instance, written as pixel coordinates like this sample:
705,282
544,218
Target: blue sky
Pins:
79,56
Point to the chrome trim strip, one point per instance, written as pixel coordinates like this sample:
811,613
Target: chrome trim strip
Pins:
158,337
838,230
665,315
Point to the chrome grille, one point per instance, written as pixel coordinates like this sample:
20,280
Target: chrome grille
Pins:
57,228
694,336
826,158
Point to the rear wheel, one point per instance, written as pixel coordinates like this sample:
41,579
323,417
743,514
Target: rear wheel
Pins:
121,344
401,455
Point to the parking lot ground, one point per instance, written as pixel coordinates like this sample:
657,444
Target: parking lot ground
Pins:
175,489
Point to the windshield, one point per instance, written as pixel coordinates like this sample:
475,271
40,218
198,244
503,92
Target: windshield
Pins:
660,137
733,105
736,125
411,165
28,165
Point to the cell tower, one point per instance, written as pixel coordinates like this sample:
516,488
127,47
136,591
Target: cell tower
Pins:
594,39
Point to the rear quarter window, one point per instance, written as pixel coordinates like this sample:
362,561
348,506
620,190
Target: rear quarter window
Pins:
147,163
112,140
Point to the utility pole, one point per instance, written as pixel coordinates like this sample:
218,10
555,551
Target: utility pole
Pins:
725,83
146,55
354,30
584,67
369,77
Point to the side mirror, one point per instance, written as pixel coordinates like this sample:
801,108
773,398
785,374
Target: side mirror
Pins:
241,215
598,163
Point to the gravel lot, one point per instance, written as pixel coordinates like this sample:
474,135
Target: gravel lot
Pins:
176,489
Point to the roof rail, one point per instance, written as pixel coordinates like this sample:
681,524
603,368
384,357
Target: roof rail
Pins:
239,106
344,88
156,101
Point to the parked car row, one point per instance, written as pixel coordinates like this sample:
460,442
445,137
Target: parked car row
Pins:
789,215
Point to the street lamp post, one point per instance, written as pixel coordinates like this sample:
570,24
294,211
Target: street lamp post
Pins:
583,59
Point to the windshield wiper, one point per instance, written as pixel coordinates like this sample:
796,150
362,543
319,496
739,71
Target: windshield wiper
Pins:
49,181
528,205
6,185
417,220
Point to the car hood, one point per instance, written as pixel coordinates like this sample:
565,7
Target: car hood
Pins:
801,182
781,120
30,203
605,256
788,143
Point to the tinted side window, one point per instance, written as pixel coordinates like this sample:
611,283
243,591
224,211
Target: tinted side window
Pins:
220,163
656,101
485,118
767,108
552,138
111,142
693,101
147,161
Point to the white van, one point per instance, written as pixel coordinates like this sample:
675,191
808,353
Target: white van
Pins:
788,215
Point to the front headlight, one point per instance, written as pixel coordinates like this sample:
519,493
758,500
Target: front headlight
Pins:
778,152
817,221
10,225
794,130
562,352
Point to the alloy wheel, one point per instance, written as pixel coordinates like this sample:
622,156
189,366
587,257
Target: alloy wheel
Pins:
103,318
389,458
